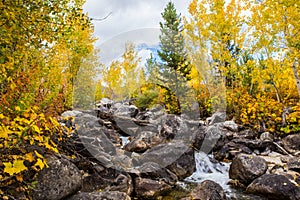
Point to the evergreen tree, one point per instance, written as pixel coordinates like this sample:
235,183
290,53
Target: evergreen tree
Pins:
172,43
174,69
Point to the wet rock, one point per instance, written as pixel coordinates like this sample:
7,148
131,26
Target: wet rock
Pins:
275,187
110,195
61,179
185,165
208,190
292,143
148,188
231,125
294,164
246,168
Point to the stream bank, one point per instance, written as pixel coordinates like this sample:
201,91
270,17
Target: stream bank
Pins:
120,152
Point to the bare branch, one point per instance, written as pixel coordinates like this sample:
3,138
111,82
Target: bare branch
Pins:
101,19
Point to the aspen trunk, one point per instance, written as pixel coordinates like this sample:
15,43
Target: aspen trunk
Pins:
296,77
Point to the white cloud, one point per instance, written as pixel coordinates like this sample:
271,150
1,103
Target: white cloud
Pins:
134,21
128,15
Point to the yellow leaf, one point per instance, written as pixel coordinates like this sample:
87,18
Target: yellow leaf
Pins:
29,157
38,155
17,108
39,163
8,168
36,128
3,132
19,177
48,146
15,168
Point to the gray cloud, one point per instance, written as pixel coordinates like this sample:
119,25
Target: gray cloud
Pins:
134,21
128,15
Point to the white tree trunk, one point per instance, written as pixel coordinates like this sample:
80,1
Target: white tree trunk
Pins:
296,76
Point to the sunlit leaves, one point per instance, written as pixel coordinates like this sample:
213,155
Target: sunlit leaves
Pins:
14,168
124,76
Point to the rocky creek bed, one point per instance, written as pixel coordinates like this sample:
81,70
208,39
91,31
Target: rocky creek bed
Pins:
122,153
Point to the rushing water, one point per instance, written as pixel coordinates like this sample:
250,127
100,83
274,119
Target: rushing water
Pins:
125,140
207,168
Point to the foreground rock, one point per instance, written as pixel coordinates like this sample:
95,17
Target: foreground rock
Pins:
275,187
246,168
148,188
207,190
100,196
61,179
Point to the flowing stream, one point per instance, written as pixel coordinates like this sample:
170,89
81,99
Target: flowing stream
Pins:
207,168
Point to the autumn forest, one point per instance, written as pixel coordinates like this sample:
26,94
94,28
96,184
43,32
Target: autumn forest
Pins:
238,56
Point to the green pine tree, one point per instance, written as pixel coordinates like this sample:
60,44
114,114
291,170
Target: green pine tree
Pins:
174,70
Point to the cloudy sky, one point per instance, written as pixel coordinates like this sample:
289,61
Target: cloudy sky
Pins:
128,15
136,21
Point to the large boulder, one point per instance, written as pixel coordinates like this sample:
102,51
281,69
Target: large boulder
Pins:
292,143
148,188
185,165
97,177
274,187
110,195
208,190
246,168
178,157
61,179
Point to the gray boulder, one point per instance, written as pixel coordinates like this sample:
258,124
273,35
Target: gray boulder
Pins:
61,179
148,188
275,187
111,195
245,168
178,157
208,190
